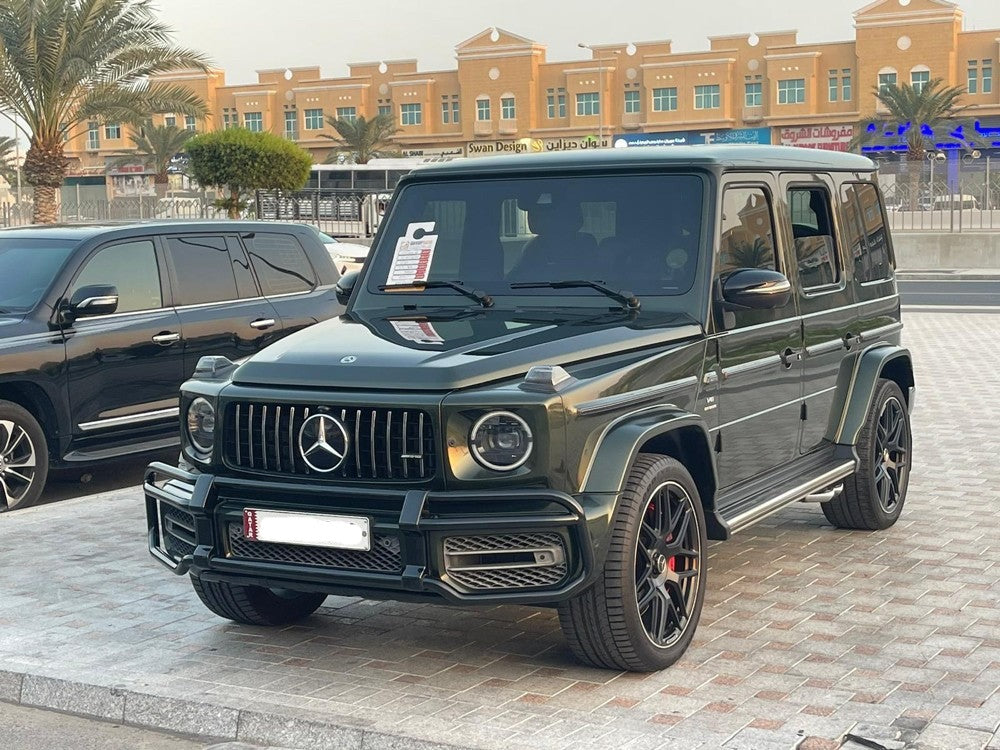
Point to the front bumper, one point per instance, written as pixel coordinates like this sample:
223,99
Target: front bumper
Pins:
424,539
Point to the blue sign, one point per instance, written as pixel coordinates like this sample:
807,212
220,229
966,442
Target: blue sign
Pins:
948,136
694,137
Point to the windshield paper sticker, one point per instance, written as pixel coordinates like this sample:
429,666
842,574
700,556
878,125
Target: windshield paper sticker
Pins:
414,254
418,331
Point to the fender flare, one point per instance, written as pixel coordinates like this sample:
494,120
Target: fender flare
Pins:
856,389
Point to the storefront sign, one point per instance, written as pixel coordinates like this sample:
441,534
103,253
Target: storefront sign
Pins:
454,151
694,137
823,137
536,145
132,185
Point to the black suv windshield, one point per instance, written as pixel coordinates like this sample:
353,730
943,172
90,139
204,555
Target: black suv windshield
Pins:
506,236
27,267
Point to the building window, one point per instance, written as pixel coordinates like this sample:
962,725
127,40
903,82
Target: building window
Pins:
112,131
385,109
483,109
93,136
588,104
454,109
834,85
550,103
229,121
845,84
170,121
708,97
632,103
445,110
291,124
314,119
919,79
190,123
885,80
665,100
987,76
507,108
347,113
253,121
754,95
792,91
409,114
561,102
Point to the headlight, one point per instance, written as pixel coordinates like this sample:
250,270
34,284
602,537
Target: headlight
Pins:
501,441
201,424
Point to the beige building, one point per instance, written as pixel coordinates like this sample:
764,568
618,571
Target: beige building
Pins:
504,96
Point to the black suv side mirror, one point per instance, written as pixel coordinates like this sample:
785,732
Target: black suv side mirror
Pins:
97,299
756,288
345,286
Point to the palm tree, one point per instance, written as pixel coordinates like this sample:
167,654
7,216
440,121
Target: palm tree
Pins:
68,62
156,146
363,139
8,149
755,255
917,111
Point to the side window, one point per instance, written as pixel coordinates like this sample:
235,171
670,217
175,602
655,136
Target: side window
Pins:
129,266
281,264
812,229
202,270
866,232
245,284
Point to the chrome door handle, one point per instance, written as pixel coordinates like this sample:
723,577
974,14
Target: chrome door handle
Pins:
165,339
263,324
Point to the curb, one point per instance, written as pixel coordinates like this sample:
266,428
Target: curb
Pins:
208,721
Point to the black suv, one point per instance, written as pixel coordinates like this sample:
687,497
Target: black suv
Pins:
557,377
99,326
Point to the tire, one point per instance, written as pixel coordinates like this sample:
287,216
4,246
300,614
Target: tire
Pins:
642,612
255,605
873,496
24,457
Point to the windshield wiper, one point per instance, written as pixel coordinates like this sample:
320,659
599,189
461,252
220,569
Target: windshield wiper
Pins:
628,300
474,294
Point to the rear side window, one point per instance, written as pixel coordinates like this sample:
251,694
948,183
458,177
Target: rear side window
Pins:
202,270
864,229
280,262
812,229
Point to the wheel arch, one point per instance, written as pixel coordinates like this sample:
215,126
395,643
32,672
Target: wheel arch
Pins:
857,385
34,398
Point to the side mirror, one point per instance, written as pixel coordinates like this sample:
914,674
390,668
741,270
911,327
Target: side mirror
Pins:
757,289
345,286
98,299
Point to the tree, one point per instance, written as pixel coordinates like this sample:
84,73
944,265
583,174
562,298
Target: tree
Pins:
156,146
8,150
239,160
755,255
68,62
362,139
916,112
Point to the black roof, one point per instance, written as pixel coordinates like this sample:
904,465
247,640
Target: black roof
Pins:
87,231
753,157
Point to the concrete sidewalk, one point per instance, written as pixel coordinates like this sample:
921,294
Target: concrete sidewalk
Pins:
808,633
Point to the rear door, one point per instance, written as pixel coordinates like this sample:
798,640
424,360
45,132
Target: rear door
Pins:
216,297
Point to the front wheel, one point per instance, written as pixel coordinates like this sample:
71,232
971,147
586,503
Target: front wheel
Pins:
256,605
24,457
642,612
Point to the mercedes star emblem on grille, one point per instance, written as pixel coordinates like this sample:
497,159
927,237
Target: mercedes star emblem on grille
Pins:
323,443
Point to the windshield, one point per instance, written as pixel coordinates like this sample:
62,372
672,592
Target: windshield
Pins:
641,233
27,267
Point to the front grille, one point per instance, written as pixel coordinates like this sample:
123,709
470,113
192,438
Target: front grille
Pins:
506,561
383,444
177,529
384,556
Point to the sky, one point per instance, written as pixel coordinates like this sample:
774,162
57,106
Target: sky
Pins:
242,36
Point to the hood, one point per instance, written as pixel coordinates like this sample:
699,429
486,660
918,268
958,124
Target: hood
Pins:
452,350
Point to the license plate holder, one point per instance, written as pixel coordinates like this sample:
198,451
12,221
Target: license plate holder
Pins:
307,529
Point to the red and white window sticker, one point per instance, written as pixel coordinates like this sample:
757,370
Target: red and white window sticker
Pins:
414,254
417,331
307,529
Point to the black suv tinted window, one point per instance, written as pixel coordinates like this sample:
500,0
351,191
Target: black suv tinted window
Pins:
202,270
280,262
27,267
812,229
129,266
866,232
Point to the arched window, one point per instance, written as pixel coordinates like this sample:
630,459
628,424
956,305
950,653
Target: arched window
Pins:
887,77
483,108
508,110
920,76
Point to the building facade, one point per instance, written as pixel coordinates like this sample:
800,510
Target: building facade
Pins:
505,97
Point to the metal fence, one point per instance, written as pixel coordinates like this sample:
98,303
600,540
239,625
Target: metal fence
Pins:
118,209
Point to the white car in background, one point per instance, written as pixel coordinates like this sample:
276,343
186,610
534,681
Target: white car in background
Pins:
347,256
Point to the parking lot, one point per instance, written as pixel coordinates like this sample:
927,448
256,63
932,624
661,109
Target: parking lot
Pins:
808,633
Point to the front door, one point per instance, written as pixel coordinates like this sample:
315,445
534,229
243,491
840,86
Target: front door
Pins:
124,369
758,350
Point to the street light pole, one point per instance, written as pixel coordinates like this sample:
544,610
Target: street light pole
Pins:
600,93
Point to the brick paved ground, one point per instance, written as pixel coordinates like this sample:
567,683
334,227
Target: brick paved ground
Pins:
808,633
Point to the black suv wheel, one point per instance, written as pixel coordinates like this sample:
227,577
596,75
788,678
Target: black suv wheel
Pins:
24,457
873,497
642,613
255,605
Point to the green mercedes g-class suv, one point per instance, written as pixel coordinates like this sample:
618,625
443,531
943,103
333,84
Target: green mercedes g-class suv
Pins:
557,377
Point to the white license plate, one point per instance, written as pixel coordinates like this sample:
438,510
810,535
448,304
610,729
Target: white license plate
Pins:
307,529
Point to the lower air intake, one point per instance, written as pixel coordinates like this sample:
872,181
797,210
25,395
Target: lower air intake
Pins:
505,561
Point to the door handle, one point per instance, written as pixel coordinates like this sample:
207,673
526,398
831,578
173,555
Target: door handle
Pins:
262,324
167,338
789,357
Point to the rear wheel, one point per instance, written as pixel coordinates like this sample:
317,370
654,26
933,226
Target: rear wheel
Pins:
256,605
24,457
642,612
873,497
